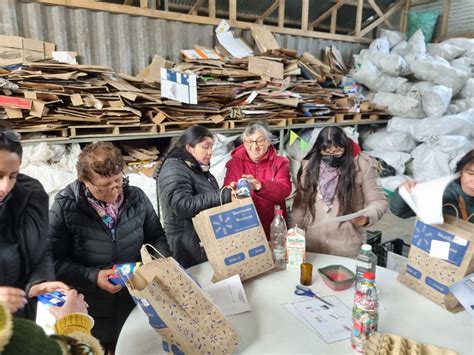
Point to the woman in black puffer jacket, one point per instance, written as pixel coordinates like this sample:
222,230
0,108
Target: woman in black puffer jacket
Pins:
96,222
185,188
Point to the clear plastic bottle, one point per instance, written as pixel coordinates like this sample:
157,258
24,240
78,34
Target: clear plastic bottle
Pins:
366,262
364,312
278,233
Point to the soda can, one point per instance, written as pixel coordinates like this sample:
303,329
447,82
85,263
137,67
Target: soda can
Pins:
243,188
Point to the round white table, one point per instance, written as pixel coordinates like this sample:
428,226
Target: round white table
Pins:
269,328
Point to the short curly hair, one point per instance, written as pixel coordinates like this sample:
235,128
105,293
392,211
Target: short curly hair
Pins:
102,158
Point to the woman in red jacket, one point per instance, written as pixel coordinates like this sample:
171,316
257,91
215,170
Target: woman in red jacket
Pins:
267,172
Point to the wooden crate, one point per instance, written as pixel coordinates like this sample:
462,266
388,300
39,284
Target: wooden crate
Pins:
272,122
111,130
311,120
351,117
173,126
53,134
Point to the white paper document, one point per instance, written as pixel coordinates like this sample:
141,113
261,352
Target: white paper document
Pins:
426,199
229,295
464,291
331,323
439,249
235,46
346,217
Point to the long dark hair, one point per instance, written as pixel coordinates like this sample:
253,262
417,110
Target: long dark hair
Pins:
10,140
308,178
465,160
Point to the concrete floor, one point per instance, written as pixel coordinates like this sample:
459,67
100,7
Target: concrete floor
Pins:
393,227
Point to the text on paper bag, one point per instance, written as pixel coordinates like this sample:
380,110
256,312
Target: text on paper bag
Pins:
234,221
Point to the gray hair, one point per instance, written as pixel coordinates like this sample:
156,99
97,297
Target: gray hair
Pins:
257,126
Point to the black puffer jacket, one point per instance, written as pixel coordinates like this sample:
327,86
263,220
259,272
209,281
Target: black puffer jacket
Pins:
24,258
82,245
184,191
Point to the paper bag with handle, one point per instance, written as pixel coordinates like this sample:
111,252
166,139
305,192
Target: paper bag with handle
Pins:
234,240
178,309
439,256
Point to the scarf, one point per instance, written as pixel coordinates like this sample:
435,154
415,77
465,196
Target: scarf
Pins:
108,212
328,179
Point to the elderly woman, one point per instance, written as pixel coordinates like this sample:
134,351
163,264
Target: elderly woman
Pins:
186,187
96,222
267,172
333,181
25,263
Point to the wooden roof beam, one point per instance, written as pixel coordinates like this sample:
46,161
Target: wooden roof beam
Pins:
325,15
381,19
268,12
379,12
194,10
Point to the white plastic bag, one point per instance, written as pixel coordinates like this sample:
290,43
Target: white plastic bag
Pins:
432,159
390,64
416,47
461,124
445,50
419,89
468,90
221,155
459,106
436,100
398,105
402,124
393,37
400,48
395,159
390,141
375,80
380,45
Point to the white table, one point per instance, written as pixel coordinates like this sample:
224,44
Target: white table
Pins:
271,329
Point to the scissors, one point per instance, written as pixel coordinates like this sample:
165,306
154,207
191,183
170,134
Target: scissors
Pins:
306,291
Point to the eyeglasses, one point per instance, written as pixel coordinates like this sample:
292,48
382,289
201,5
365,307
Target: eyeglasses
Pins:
119,185
12,136
259,142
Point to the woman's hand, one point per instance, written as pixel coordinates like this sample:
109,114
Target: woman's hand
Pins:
360,221
74,304
14,298
255,185
46,287
408,184
104,283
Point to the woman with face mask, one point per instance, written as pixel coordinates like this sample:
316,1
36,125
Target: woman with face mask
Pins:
185,188
336,179
25,262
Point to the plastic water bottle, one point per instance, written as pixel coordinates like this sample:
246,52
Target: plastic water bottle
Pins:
366,262
278,233
364,312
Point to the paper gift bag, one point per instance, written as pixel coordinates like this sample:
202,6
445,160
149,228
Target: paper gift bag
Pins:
431,275
179,310
234,240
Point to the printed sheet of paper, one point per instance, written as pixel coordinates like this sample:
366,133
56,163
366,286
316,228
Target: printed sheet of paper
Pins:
464,291
229,295
426,199
331,323
344,218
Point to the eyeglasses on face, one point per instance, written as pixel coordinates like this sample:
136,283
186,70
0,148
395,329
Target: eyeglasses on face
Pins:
259,142
118,184
12,136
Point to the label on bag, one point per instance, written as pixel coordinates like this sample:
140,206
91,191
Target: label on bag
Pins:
234,221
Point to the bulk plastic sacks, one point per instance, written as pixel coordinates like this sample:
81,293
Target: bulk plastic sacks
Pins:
445,50
432,159
395,159
390,64
465,43
401,124
375,80
461,124
439,71
390,141
459,106
468,91
436,100
418,90
398,105
393,37
416,48
380,45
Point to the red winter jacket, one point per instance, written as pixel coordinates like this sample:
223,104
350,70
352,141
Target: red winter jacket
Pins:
272,171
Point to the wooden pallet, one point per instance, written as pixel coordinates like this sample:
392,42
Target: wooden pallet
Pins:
53,134
272,122
110,130
173,126
356,117
311,120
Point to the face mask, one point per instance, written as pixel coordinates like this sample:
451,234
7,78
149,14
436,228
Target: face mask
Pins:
332,161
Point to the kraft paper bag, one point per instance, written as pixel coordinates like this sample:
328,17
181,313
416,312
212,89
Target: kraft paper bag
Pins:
179,310
234,240
432,276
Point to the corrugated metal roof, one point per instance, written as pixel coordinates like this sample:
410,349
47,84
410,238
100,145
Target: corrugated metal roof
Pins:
123,42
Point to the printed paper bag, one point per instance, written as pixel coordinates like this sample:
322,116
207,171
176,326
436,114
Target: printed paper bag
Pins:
179,310
234,240
432,276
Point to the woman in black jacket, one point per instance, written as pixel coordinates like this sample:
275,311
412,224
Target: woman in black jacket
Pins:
185,188
25,263
96,222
